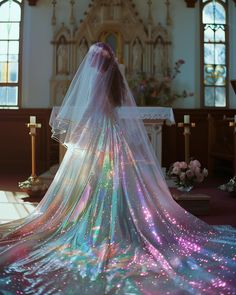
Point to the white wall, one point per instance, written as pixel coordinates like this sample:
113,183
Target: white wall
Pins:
37,55
37,49
186,47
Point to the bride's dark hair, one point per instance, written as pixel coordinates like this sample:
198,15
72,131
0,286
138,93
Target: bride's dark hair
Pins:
116,87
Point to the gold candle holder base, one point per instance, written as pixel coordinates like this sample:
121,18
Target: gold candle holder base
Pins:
33,186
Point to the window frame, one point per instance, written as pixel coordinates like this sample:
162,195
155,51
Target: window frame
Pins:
19,83
202,85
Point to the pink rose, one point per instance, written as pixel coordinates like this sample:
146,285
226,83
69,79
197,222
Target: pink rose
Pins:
182,176
200,178
195,163
197,171
183,165
176,170
189,174
176,165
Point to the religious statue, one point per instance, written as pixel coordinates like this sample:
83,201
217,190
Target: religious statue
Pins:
82,50
137,52
159,58
62,58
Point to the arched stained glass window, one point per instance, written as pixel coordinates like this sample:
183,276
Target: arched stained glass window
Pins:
10,37
214,53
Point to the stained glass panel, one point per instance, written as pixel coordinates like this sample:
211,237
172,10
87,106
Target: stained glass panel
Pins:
10,18
220,75
213,13
3,57
13,57
13,72
9,31
8,95
10,12
209,34
220,57
220,33
209,75
209,97
3,72
220,97
215,75
215,97
12,95
3,95
3,47
214,33
13,47
214,53
209,53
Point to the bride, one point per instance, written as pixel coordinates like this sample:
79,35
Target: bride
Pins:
108,223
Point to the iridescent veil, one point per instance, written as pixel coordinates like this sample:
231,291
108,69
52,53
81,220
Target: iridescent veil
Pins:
108,223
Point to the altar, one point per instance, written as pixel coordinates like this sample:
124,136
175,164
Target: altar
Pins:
154,118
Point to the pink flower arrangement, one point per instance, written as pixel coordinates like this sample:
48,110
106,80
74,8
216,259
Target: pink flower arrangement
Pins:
151,91
187,174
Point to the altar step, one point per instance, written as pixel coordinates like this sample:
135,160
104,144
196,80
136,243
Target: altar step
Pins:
197,204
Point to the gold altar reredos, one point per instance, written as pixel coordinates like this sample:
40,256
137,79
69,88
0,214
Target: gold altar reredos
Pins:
141,47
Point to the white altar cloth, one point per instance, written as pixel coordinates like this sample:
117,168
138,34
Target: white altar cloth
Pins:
148,113
153,117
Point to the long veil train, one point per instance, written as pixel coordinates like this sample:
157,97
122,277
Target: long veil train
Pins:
108,223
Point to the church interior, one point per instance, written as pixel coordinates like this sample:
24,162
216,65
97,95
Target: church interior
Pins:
179,59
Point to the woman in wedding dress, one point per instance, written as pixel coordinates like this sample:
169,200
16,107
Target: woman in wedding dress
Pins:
108,223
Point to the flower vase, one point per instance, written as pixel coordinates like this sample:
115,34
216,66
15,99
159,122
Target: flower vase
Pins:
185,189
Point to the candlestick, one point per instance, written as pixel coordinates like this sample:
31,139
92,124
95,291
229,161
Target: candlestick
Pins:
32,119
232,123
186,119
187,126
33,185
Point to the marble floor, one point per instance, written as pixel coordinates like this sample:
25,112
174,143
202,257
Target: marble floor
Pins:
13,206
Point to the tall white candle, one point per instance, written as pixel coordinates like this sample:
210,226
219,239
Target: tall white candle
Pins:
32,119
186,119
